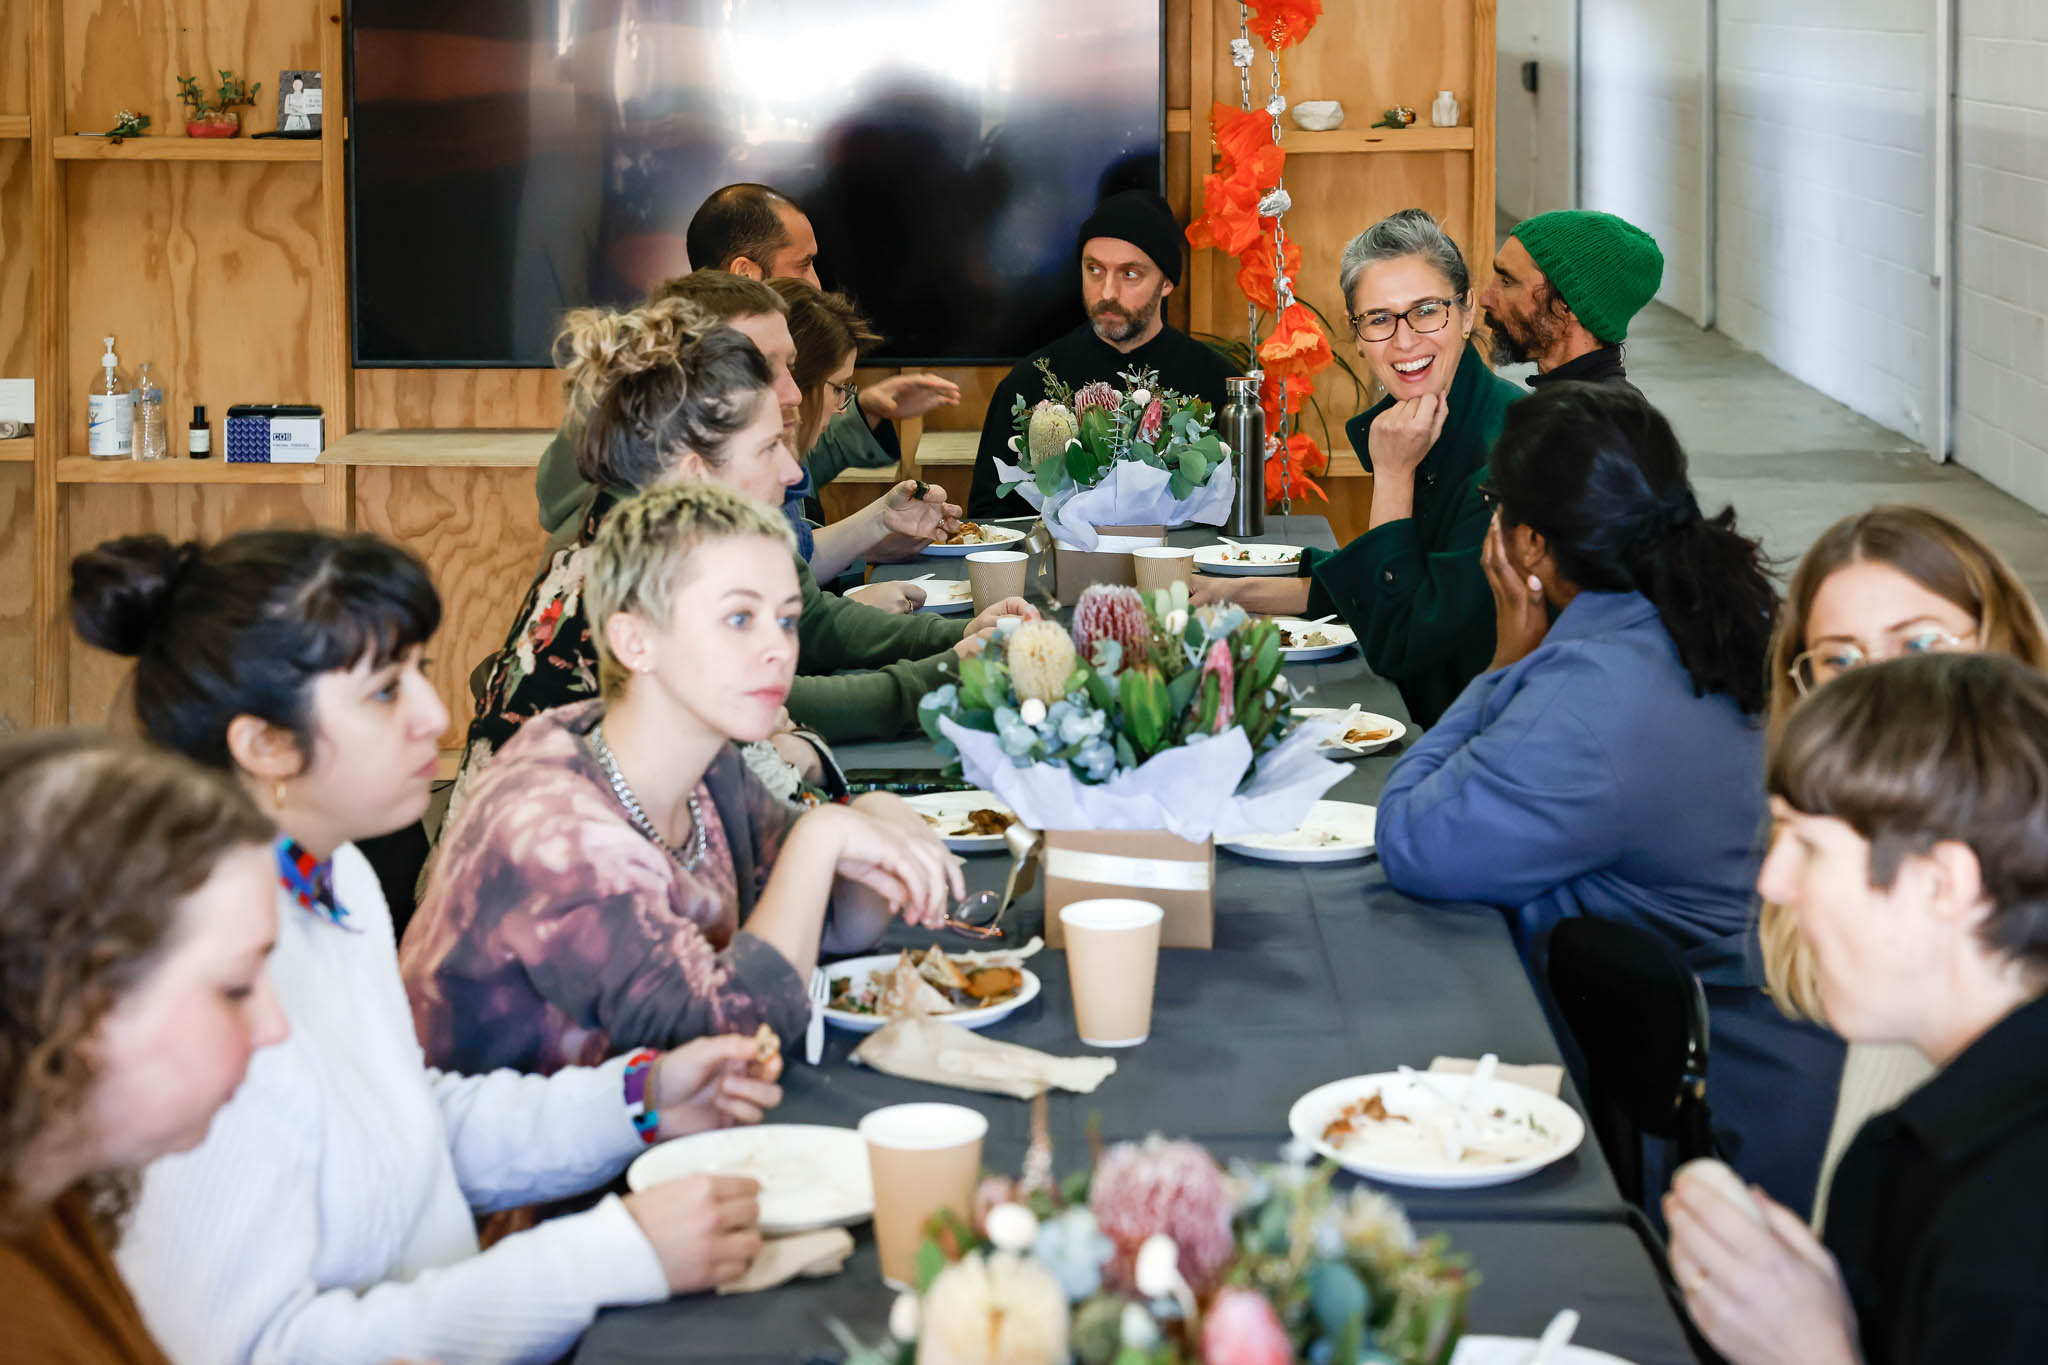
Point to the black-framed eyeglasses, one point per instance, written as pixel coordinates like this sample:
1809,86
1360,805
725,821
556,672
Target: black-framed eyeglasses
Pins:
849,394
1430,315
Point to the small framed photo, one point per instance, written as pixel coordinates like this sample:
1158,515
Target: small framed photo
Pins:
298,102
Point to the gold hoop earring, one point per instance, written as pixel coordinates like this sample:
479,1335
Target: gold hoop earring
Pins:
277,792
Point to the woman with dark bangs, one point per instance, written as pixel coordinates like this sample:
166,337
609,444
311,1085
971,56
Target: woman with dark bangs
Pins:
1911,806
132,995
330,1212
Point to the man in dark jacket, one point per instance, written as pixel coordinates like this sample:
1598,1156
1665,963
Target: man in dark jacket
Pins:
1130,256
1565,286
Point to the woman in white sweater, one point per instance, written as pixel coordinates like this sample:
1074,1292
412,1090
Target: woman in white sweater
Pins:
329,1214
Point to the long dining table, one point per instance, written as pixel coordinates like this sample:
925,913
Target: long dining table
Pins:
1317,972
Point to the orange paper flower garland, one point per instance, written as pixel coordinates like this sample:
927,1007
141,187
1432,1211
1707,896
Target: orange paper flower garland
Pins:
1249,163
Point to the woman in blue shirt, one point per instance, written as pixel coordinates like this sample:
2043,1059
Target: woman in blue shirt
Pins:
1610,761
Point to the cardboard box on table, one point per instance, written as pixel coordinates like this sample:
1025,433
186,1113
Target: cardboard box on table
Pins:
1146,865
1074,569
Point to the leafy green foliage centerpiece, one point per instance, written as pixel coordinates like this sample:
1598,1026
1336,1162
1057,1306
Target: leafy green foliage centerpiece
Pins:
1097,456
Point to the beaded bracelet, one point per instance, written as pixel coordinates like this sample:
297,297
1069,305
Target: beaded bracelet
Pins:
639,1093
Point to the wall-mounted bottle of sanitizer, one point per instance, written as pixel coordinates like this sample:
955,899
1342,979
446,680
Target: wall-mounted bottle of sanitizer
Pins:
110,412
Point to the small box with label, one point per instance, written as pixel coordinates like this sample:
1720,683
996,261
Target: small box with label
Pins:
274,433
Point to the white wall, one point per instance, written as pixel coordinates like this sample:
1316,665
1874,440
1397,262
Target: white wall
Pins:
1533,132
1825,196
2002,245
1642,155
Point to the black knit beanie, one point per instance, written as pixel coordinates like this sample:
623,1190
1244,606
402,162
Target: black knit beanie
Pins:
1141,218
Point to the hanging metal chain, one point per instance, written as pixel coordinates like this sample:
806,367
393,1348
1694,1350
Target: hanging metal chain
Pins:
1241,58
1283,287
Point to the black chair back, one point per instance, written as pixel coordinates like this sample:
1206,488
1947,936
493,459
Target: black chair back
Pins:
1638,1018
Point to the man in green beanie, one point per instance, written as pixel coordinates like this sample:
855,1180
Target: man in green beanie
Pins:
1565,286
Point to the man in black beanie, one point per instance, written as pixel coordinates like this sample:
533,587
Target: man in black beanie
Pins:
1130,255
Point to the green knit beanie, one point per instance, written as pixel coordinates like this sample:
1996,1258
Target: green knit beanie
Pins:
1605,268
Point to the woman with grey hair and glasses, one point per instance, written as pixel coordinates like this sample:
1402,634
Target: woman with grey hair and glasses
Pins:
1411,586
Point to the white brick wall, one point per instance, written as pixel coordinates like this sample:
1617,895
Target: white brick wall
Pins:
1826,187
1643,86
1533,133
2002,245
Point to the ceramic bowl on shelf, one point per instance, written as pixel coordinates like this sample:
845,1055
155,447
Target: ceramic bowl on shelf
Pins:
1318,116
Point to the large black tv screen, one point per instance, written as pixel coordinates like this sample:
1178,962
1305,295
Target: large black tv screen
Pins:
510,159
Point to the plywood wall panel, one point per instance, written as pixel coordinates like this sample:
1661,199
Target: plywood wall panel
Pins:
1370,54
458,398
129,53
212,271
96,512
14,55
475,530
17,259
17,572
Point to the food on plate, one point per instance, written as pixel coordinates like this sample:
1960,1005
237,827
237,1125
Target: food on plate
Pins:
982,823
931,982
1373,735
970,533
1426,1130
767,1047
1303,639
1241,554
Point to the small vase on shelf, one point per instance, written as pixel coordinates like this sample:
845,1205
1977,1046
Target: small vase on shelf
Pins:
227,123
1444,113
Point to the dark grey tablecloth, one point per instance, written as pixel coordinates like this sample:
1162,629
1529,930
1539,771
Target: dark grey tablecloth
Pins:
1318,972
1527,1272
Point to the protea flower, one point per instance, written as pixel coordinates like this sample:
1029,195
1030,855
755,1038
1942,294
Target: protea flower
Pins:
1217,664
1241,1328
1169,1188
1052,426
1096,395
1108,611
1041,658
993,1310
1153,422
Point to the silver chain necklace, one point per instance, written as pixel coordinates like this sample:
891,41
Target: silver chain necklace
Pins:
634,811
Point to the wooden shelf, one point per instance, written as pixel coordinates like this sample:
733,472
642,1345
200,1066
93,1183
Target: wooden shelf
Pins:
1421,139
13,126
514,448
85,469
1179,120
20,450
948,447
76,148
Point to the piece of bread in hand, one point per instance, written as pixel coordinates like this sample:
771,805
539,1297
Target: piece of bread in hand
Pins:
767,1047
1723,1181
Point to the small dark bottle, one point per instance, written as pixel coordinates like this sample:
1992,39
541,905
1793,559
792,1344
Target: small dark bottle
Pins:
199,437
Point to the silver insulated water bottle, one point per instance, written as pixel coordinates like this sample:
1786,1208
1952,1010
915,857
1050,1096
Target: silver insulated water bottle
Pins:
1243,429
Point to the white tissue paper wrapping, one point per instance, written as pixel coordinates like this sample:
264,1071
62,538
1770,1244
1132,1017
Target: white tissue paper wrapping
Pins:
1133,493
1190,791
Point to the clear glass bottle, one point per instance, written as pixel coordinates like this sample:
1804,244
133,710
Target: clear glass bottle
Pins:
152,436
109,411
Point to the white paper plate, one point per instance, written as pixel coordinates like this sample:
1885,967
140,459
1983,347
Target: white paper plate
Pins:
1269,561
811,1176
1401,1163
950,809
1340,636
859,967
942,596
1516,1351
1334,832
1364,720
992,538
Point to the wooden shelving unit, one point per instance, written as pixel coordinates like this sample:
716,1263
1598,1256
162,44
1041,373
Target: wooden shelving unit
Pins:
14,127
20,450
1353,140
77,148
179,470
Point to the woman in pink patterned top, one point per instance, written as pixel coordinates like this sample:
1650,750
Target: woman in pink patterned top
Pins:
617,877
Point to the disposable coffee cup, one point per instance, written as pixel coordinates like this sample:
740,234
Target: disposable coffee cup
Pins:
1161,566
995,575
1112,961
922,1158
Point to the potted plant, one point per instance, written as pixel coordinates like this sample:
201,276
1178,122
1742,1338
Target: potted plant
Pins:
215,116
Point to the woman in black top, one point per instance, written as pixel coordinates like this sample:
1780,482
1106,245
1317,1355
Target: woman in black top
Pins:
1911,803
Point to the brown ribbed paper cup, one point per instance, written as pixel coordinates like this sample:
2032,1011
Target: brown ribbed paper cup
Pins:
1112,960
994,575
1161,566
922,1158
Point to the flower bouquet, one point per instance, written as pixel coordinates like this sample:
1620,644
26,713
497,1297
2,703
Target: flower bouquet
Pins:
1148,716
1098,456
1159,1257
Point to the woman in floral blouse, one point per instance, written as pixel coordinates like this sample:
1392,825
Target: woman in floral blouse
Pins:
617,876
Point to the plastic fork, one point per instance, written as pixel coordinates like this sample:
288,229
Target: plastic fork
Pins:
814,1032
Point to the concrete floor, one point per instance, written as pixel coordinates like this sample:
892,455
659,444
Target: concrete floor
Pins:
1792,460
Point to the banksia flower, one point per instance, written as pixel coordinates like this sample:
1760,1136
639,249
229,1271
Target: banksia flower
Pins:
1108,611
1170,1188
1052,426
1041,658
1096,395
1217,665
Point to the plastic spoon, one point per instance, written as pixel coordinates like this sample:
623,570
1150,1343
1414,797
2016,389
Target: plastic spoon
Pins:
1554,1337
1460,1134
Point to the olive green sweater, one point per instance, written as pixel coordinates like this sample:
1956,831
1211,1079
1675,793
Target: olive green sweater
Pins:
902,658
1413,589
